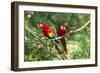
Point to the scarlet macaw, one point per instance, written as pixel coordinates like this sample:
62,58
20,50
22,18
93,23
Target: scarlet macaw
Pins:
61,31
47,32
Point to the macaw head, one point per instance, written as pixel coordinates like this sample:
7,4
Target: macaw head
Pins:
62,30
45,29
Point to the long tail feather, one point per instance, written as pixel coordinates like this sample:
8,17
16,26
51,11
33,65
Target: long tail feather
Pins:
57,49
60,53
64,44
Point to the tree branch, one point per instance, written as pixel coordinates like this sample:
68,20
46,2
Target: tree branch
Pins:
72,31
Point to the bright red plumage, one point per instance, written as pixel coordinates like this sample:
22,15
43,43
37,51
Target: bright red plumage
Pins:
62,30
45,28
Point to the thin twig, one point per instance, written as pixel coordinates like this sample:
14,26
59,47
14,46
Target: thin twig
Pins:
79,29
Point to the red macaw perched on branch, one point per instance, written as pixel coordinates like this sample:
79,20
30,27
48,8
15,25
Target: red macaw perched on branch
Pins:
47,32
61,31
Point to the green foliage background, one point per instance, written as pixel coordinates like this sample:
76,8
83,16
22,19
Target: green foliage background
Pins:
37,48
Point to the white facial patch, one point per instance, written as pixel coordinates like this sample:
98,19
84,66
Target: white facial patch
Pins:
62,27
41,25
